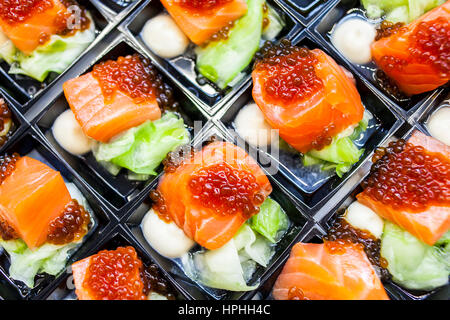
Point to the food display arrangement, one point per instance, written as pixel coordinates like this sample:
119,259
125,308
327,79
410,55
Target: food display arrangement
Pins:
224,149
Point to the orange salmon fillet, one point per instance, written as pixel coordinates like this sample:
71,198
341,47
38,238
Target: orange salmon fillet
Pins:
428,225
26,35
415,76
321,274
200,26
30,198
202,224
100,120
301,122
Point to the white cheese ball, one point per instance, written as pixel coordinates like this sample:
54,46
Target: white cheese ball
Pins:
166,238
253,128
69,135
363,218
162,35
353,39
439,125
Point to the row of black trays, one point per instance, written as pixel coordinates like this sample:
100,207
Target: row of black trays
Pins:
120,204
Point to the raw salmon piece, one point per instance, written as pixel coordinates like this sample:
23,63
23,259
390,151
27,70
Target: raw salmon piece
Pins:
300,122
331,271
130,286
428,225
27,35
200,223
102,120
199,26
30,198
415,75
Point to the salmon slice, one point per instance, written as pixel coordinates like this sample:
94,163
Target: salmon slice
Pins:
24,200
203,224
332,106
200,25
415,74
331,271
28,34
129,287
428,225
103,120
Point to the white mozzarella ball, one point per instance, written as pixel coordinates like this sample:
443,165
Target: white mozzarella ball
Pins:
166,238
363,218
162,35
353,38
69,135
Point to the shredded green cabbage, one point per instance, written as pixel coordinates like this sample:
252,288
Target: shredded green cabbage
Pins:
54,56
399,10
412,263
141,149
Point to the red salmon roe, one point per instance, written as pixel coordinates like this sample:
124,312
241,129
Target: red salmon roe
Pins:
115,275
154,282
7,165
431,45
226,190
290,74
201,5
407,177
7,232
5,117
70,226
159,205
295,293
17,11
387,29
342,230
339,246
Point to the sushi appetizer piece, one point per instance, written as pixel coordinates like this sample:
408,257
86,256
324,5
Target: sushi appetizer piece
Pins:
6,123
218,199
126,278
407,40
312,102
38,234
124,113
225,34
334,270
39,37
408,187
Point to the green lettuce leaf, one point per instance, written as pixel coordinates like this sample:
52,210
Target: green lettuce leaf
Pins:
271,221
54,56
221,61
141,149
399,10
412,263
251,246
341,154
25,263
220,268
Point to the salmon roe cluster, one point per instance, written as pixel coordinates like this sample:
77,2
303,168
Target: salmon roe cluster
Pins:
17,11
5,117
226,190
159,205
220,35
154,282
202,4
115,275
431,44
7,232
342,230
136,77
289,71
70,226
408,177
387,29
7,165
